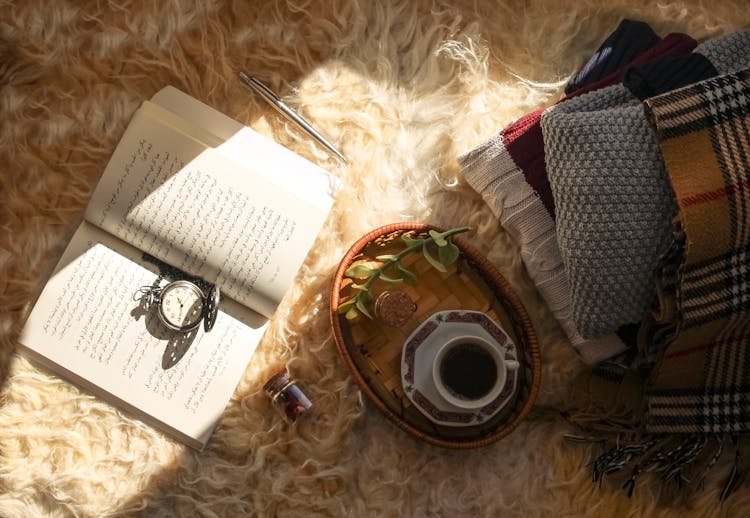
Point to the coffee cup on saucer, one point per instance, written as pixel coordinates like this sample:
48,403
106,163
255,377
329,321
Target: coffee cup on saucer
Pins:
469,372
460,368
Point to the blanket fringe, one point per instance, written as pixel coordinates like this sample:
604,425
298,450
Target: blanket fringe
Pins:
684,460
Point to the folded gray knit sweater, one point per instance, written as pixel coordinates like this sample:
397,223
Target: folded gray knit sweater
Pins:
613,199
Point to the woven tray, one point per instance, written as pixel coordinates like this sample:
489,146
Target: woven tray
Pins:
372,351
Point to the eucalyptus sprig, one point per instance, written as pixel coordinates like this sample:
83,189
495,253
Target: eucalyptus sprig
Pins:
447,253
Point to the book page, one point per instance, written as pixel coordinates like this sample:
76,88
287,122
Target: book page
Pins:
167,193
237,142
87,326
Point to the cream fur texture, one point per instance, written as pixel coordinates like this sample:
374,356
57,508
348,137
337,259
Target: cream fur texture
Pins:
403,87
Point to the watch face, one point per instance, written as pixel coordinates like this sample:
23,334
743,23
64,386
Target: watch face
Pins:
181,305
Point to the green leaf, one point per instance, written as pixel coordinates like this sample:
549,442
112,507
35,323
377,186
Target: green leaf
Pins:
438,238
410,241
362,309
407,275
391,280
360,271
351,314
346,306
448,253
434,262
361,287
387,257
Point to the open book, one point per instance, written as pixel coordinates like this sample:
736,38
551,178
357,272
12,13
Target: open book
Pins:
187,190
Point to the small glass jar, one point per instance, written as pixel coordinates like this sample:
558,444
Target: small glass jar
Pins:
287,397
394,308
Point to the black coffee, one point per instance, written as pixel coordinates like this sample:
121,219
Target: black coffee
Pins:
468,370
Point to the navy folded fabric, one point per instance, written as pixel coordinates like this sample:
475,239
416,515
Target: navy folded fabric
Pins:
628,40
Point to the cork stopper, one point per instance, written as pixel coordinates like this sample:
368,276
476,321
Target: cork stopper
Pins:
277,383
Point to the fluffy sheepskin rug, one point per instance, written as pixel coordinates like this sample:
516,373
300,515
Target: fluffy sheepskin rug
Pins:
403,87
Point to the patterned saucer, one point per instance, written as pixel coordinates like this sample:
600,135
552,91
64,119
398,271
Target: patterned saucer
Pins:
418,356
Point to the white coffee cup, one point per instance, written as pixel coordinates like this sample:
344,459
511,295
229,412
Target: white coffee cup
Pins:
469,372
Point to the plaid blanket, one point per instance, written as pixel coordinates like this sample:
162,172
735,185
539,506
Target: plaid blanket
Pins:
701,383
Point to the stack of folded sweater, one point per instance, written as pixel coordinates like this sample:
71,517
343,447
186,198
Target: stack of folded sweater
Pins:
582,186
630,202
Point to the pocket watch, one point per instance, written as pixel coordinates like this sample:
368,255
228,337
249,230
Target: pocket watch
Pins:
182,304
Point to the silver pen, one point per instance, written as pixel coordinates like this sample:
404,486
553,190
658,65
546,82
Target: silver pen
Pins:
287,112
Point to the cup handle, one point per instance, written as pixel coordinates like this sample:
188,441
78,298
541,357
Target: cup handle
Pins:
512,365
